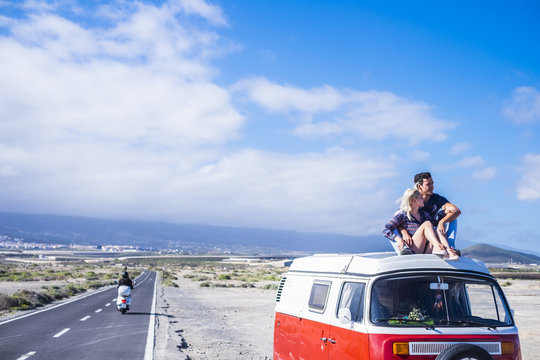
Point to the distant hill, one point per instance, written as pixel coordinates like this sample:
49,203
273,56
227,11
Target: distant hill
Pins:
187,237
492,254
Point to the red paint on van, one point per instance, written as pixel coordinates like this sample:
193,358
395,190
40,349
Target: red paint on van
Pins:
298,338
349,345
295,335
301,339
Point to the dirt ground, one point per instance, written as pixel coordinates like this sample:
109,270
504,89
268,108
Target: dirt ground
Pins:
214,323
197,323
524,298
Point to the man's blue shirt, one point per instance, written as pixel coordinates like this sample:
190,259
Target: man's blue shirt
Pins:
434,206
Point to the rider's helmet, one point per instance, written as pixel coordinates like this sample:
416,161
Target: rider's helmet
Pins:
125,275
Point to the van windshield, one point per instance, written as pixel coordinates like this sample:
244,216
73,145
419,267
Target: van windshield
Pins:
436,300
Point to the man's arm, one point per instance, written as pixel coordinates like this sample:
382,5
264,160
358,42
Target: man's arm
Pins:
451,213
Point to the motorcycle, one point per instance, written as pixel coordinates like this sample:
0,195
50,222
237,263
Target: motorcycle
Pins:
123,301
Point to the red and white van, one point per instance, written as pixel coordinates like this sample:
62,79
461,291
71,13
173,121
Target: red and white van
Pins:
381,306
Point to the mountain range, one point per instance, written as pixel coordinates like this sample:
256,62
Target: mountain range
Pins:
186,237
199,238
492,255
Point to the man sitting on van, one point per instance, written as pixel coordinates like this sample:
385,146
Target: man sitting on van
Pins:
440,209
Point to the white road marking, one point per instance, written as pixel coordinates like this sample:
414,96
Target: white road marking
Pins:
107,304
27,355
149,349
61,333
98,310
85,318
114,299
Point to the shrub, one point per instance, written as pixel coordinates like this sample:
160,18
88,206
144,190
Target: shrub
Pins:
247,285
91,276
93,285
169,283
4,302
224,277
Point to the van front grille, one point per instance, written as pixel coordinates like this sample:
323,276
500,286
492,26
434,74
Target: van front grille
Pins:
435,348
280,288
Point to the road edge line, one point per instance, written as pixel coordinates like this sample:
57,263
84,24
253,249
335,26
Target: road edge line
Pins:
149,350
75,298
64,302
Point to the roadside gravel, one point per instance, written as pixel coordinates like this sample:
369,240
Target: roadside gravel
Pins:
213,323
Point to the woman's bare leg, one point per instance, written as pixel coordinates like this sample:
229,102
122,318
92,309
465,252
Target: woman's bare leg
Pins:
444,242
426,232
419,242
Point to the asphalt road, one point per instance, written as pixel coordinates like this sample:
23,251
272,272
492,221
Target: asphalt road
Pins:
88,327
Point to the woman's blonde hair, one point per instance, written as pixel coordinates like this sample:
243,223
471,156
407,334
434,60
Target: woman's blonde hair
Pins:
406,201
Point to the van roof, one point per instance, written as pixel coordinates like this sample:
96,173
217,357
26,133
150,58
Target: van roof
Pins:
382,262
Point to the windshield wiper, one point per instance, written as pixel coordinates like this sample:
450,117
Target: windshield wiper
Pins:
467,323
401,321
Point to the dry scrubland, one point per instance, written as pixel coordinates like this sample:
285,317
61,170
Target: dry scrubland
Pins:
214,310
31,284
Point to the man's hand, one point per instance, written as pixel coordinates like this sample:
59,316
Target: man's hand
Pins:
441,228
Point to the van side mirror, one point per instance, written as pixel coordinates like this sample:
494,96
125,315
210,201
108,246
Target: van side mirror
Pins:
344,316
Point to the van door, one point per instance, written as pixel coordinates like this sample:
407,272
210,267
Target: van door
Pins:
348,336
316,330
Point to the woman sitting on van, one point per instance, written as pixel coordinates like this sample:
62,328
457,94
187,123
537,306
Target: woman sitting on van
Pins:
418,224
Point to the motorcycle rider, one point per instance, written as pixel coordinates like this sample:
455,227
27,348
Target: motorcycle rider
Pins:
124,284
125,280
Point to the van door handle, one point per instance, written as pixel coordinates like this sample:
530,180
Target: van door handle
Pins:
332,341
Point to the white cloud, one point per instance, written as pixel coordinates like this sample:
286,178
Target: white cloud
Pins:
524,106
126,122
419,155
487,173
470,161
334,191
374,115
529,185
460,148
210,12
316,192
285,98
7,171
69,83
476,164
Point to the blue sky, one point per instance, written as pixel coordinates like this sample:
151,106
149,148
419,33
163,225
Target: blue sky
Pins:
301,115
